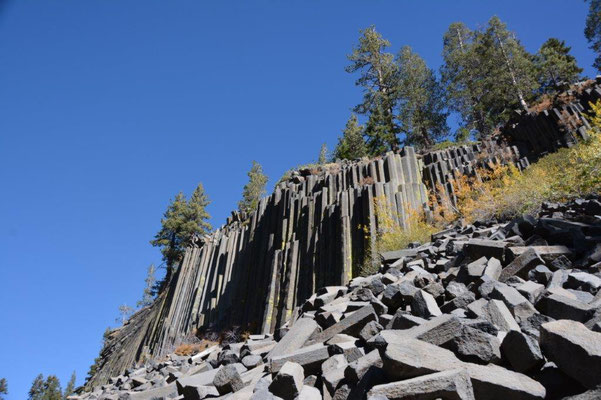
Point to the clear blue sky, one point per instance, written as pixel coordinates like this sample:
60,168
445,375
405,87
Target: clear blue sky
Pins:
109,108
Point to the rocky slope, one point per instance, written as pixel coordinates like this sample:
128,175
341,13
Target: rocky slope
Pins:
484,311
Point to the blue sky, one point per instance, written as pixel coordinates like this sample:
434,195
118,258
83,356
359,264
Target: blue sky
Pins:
108,109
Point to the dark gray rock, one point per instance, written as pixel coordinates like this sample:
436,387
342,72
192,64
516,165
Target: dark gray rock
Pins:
296,337
227,380
473,345
452,384
521,265
424,305
288,382
522,352
575,349
560,307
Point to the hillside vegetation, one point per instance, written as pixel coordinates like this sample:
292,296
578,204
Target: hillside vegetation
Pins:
499,192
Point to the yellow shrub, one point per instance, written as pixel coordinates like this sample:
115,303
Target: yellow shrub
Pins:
390,233
504,192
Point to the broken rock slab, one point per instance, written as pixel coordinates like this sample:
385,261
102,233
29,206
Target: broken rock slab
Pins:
454,384
574,348
521,265
416,358
310,358
296,337
522,352
288,382
350,325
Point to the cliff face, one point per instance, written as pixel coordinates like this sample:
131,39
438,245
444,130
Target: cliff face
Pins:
313,231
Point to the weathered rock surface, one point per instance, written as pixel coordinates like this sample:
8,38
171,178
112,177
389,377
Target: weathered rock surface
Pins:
575,349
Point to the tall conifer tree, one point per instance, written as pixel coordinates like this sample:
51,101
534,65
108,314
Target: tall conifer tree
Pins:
422,116
509,72
48,389
461,77
351,144
181,222
70,389
149,287
254,189
592,30
378,80
555,65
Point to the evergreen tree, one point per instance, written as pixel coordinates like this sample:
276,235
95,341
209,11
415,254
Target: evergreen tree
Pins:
323,154
351,145
180,223
509,71
149,288
422,116
555,65
462,77
49,389
254,189
3,388
37,388
592,30
70,389
378,74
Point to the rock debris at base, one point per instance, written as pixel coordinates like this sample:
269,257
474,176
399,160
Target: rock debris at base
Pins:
484,311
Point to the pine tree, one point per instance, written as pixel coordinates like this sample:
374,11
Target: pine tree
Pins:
3,388
52,389
149,288
351,144
378,74
253,190
49,389
422,116
180,223
323,154
509,71
592,30
37,388
555,65
70,389
487,74
461,75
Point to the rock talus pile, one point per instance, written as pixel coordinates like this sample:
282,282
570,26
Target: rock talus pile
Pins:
485,311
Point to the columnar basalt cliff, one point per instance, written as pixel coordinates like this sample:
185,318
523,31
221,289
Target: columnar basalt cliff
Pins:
314,230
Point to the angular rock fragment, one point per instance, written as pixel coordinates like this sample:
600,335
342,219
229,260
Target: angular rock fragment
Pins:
355,370
310,358
416,358
423,305
574,348
453,384
522,352
227,380
499,315
521,265
476,248
296,337
560,307
350,325
288,382
473,345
